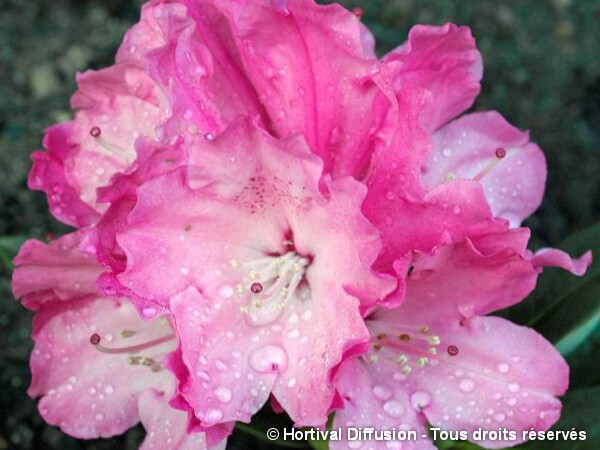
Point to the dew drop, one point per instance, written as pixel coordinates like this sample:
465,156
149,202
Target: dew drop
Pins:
149,312
109,390
213,415
467,385
270,358
513,387
447,152
420,400
393,408
99,416
223,394
503,368
382,392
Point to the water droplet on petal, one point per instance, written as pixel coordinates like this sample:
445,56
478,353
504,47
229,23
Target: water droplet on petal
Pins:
393,408
213,415
503,368
420,400
513,387
270,358
149,312
382,392
99,416
467,385
223,394
447,152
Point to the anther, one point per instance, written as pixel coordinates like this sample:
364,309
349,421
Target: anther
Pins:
95,131
95,340
452,350
256,288
498,155
405,337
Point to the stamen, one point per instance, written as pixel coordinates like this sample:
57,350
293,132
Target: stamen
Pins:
95,340
357,11
498,155
273,281
96,133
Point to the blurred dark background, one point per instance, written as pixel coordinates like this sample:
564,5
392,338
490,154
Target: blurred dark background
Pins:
542,71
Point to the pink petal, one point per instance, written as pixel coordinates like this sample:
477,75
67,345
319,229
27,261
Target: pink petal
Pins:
503,376
116,105
193,57
373,399
166,427
463,148
53,272
445,62
470,278
84,391
551,257
325,92
291,357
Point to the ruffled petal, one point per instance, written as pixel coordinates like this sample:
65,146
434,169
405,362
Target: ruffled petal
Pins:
166,427
446,63
374,400
466,148
57,271
324,92
116,106
86,392
551,257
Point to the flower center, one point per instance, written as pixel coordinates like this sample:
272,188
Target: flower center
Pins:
271,282
151,345
409,347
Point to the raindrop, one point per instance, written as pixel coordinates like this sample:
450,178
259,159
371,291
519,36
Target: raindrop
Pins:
420,400
513,387
467,385
393,408
503,368
382,392
223,394
270,358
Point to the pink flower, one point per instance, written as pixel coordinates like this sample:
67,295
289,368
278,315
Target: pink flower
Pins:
274,212
435,360
98,390
254,246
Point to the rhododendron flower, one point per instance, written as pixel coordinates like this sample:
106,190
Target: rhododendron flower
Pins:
103,389
255,247
267,210
434,360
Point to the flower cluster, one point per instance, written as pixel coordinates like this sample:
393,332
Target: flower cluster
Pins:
266,211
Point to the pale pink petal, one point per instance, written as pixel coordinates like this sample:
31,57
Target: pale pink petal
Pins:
57,271
116,106
256,211
445,62
551,257
504,376
166,428
373,399
466,148
88,393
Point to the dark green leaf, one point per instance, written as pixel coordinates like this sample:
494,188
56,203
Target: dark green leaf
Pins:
9,247
563,307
